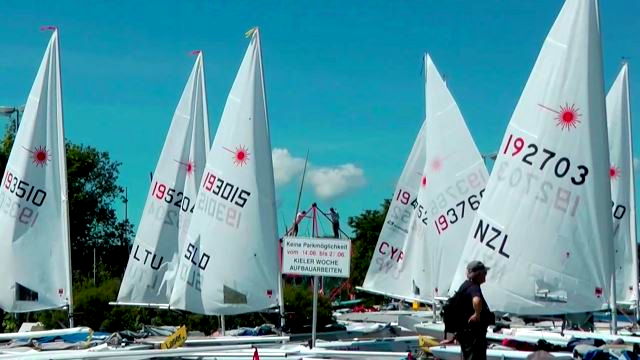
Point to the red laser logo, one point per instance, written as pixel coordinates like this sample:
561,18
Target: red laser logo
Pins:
567,117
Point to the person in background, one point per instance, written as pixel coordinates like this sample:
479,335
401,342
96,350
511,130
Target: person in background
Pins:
473,336
335,221
301,215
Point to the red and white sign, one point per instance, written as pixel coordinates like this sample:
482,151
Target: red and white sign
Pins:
316,257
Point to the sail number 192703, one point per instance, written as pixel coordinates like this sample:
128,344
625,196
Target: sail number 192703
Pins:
541,158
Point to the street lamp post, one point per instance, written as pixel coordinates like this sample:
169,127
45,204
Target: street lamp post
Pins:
8,111
488,156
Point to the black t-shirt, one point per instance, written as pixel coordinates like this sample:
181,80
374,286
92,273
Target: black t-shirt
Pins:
469,290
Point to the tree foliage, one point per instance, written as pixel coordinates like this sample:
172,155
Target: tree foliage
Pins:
93,224
366,227
93,194
299,309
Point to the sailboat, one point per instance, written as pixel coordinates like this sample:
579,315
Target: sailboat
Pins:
623,206
544,226
454,178
433,205
622,190
171,199
435,199
390,271
34,209
229,262
387,274
541,226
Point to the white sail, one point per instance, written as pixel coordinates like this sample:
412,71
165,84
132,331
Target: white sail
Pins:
229,263
544,225
171,199
622,194
34,241
390,272
455,180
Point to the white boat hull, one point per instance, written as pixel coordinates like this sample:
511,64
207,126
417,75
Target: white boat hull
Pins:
402,344
43,333
453,353
391,316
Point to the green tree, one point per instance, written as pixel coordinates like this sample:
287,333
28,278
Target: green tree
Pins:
93,193
298,304
366,227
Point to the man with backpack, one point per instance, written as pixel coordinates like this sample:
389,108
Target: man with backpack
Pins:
467,315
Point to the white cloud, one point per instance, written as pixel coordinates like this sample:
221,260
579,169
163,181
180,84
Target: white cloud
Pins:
328,182
332,182
285,166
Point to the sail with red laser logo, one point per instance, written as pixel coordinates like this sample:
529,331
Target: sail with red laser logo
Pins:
34,215
544,226
454,179
171,199
622,188
229,262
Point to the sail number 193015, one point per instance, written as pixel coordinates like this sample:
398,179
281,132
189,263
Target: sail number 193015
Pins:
225,190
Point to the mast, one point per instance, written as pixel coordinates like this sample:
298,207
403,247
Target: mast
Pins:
63,180
632,200
304,172
266,110
316,278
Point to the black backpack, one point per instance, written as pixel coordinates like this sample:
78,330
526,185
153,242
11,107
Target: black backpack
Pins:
453,312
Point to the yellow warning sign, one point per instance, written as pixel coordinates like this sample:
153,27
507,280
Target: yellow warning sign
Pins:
175,340
425,342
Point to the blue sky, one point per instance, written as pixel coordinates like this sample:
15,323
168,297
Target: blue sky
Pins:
343,78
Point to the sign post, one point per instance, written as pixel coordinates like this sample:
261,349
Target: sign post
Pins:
175,340
314,322
316,257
